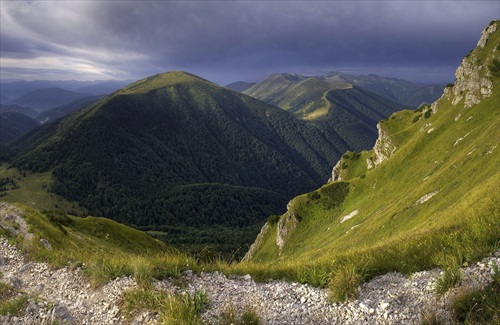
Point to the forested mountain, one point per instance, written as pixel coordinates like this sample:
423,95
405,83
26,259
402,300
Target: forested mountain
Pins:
175,151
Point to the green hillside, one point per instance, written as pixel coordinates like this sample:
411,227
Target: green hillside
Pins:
174,151
334,107
425,196
104,247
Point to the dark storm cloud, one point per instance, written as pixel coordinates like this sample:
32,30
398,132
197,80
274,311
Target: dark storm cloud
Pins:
226,41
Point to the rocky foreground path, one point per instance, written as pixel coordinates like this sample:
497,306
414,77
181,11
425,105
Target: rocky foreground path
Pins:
65,297
62,296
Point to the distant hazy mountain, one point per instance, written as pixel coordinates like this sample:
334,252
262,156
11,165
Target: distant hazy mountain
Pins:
60,111
240,85
13,125
45,98
102,88
13,89
18,109
4,99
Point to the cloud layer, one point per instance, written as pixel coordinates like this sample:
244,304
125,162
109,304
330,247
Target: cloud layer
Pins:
242,40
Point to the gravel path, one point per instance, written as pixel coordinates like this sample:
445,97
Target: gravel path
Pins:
65,297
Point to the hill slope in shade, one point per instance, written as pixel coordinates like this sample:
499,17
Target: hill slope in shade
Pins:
13,125
177,153
240,85
426,195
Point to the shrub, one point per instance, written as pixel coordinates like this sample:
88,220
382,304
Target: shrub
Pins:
416,118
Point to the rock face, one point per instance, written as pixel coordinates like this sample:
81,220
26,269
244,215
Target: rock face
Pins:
336,172
286,225
473,79
384,146
251,251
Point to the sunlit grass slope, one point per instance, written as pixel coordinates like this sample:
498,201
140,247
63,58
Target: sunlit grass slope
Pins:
104,248
434,202
31,189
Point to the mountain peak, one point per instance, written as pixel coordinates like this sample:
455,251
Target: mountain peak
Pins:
162,80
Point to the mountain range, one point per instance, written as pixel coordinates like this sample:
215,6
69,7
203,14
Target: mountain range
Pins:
400,230
174,152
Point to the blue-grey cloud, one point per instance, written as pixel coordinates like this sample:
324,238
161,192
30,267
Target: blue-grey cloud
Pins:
241,40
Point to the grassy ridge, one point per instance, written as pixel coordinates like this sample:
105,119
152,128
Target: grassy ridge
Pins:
433,203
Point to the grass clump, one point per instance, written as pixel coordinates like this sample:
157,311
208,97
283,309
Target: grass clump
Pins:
451,274
345,281
172,309
479,307
448,280
12,302
232,317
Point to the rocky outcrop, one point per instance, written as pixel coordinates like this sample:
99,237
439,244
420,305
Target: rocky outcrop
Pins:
473,80
286,225
258,241
384,147
336,172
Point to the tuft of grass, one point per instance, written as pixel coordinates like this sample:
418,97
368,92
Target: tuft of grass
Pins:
345,281
172,309
447,281
451,272
478,307
230,316
12,302
431,319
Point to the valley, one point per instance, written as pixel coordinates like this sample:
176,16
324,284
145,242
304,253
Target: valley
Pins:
393,213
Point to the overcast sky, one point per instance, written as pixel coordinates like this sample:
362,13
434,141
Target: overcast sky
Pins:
226,41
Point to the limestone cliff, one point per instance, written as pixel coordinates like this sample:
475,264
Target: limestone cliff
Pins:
474,75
